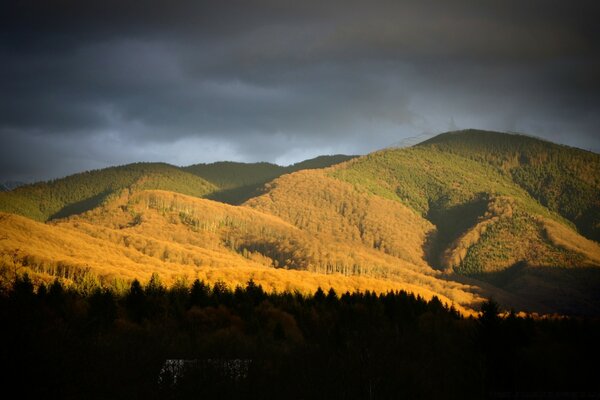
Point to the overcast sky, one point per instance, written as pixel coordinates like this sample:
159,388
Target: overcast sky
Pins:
85,86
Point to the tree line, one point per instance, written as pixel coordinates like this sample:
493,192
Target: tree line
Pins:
246,343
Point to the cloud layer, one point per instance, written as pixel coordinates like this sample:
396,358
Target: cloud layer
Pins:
86,86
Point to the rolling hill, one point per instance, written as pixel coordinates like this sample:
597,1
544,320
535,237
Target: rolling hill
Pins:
563,179
223,181
182,237
81,192
488,223
237,182
462,216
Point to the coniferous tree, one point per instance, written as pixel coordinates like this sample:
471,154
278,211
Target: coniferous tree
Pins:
103,308
135,301
199,294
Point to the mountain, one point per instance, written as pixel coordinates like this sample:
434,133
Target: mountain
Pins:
81,192
183,237
460,216
563,179
490,224
10,185
237,182
223,181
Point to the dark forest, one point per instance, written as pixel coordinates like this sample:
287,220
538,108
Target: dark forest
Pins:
203,341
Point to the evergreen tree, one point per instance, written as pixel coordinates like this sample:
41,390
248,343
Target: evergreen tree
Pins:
135,301
199,294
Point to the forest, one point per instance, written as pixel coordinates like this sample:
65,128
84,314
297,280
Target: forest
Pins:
196,340
458,216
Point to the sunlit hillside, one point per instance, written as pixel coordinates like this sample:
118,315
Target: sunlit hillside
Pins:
229,182
180,236
562,178
330,209
81,192
237,182
434,219
486,225
484,221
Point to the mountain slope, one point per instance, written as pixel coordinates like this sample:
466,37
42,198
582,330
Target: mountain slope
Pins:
223,181
334,210
237,182
562,178
266,239
80,192
134,235
450,217
486,224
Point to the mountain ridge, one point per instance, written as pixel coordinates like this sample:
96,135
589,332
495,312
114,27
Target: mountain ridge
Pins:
459,207
80,192
562,178
240,181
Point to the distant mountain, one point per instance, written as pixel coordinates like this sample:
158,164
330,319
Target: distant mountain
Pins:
462,216
81,192
237,182
10,185
412,140
229,182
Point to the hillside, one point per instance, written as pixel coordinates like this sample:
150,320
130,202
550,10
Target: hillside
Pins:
486,224
452,217
228,182
80,192
179,236
563,179
237,182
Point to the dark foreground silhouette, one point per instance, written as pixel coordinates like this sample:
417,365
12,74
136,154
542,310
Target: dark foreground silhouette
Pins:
213,343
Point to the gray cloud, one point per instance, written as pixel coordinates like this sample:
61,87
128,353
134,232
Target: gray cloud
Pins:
89,85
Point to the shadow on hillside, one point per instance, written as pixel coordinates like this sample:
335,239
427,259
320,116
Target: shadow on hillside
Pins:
572,291
80,206
237,195
451,222
587,229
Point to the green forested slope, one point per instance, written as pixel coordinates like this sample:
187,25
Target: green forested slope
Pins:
476,206
562,178
229,182
83,191
229,174
237,182
486,221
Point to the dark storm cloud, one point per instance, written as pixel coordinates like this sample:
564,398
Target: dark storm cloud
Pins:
88,85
